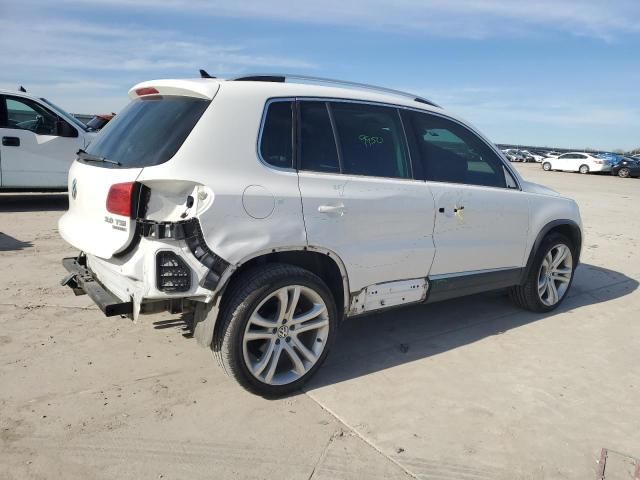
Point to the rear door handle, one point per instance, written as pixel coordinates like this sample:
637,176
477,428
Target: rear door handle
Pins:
11,141
331,209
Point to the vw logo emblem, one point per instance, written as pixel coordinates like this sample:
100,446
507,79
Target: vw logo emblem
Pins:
74,188
283,331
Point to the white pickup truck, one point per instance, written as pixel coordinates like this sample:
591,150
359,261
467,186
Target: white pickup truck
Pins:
39,142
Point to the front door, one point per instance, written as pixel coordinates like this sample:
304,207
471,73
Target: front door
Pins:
32,154
359,197
482,217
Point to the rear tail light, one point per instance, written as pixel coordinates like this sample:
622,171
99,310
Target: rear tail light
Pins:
172,273
600,162
121,198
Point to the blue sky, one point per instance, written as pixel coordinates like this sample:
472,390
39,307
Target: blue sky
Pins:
558,73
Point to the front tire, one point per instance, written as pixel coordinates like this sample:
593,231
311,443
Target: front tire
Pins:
550,276
546,166
624,172
278,322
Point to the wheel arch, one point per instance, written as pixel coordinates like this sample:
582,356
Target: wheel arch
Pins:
566,227
324,263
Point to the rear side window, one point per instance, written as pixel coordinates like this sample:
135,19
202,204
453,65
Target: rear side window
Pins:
276,143
317,145
149,131
371,140
449,152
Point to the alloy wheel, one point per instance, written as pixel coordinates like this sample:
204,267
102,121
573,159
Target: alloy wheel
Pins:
624,172
285,335
555,274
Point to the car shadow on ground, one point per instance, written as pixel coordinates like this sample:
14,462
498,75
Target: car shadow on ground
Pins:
34,202
8,243
380,341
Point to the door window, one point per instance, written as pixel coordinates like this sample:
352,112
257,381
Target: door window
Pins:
29,115
448,152
317,144
371,140
276,143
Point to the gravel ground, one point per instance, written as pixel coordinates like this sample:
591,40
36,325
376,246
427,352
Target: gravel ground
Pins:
466,389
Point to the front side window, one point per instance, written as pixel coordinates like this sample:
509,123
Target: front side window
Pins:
371,140
276,143
317,145
449,152
26,114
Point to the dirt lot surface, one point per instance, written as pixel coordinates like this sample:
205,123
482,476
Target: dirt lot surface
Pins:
466,389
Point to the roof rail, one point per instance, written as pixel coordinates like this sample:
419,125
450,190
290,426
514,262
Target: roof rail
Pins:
285,77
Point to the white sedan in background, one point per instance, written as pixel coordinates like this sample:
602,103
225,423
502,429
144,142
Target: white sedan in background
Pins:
577,162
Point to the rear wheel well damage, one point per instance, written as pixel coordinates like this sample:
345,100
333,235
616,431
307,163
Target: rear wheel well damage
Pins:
321,264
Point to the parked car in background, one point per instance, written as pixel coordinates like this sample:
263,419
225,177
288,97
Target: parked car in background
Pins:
514,155
552,154
577,162
99,121
386,200
626,167
39,142
532,156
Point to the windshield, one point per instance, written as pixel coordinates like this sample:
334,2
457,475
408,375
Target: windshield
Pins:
149,131
66,115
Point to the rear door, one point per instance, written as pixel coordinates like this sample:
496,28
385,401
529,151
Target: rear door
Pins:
33,154
482,217
359,197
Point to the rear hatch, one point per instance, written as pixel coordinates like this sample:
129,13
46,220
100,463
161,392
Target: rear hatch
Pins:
103,193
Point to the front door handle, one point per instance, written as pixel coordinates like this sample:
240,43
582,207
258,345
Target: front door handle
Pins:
11,141
331,209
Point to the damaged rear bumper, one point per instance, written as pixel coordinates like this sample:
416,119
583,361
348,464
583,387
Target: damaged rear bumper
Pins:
82,281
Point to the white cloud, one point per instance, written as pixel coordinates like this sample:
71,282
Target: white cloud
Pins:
510,115
87,66
449,18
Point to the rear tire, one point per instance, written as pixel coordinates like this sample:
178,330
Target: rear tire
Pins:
278,322
624,172
550,277
584,169
546,166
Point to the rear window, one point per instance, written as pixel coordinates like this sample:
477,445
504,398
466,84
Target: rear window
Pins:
149,131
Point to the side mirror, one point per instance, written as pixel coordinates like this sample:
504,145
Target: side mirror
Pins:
63,129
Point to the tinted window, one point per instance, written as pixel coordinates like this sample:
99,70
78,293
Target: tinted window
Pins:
29,115
371,140
317,144
149,131
276,144
449,152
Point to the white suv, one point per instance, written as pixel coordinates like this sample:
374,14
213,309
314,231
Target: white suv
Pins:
39,142
268,211
577,162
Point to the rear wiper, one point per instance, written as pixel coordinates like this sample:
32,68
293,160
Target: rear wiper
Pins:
87,157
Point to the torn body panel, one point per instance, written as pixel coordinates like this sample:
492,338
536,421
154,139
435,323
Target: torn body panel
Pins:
388,294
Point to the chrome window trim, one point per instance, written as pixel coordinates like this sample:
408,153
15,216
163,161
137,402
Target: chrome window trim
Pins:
265,110
491,146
